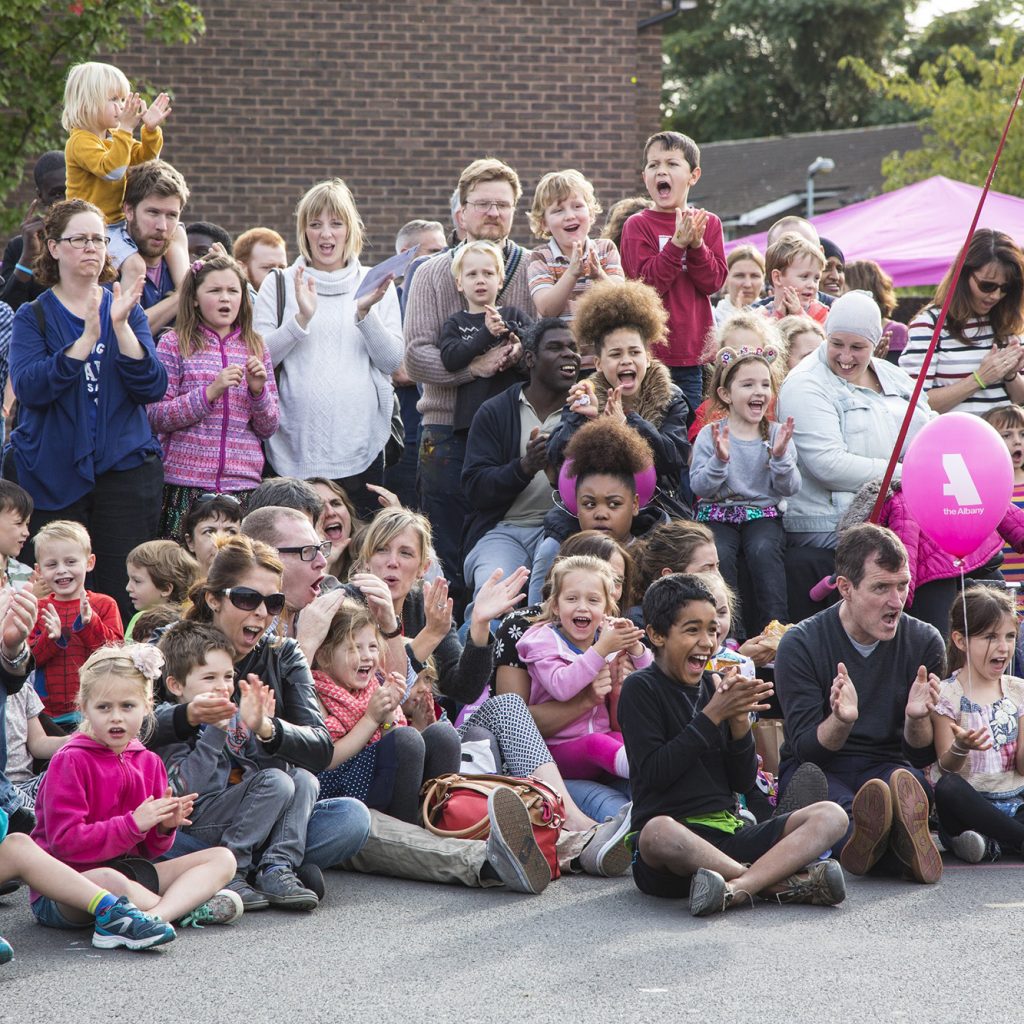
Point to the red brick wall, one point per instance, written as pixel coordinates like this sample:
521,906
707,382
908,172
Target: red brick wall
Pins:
397,98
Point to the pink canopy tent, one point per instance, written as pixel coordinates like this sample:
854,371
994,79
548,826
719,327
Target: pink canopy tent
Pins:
915,232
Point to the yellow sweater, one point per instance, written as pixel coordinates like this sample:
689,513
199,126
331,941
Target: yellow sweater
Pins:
96,167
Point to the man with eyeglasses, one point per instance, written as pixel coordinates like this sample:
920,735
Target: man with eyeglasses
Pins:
489,190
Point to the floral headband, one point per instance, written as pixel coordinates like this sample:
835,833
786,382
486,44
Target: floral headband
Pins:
147,659
728,355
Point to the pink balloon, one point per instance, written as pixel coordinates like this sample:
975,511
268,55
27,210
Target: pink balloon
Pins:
646,482
958,481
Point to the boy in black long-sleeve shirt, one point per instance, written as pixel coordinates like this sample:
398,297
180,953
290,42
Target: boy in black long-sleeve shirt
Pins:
690,748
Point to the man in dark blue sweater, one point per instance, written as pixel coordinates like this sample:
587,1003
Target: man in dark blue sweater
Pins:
690,750
857,683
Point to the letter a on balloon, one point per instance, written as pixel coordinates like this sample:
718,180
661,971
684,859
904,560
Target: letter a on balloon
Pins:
961,484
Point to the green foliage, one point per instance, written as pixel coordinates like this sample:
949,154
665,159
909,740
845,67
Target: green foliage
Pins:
745,68
963,99
39,41
978,28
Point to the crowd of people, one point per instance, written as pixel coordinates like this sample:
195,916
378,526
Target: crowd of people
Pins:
282,542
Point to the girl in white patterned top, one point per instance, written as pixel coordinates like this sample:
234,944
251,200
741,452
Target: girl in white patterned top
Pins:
978,360
979,772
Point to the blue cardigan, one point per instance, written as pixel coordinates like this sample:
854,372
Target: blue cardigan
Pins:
57,454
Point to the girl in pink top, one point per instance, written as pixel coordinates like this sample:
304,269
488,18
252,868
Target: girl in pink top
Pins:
221,399
105,797
570,648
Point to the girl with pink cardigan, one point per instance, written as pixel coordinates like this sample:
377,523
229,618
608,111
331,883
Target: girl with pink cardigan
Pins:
221,399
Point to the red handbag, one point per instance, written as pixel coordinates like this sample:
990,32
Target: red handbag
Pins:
455,807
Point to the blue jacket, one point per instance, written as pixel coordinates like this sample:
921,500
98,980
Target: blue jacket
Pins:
57,453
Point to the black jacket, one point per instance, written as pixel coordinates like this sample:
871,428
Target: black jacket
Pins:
492,476
300,736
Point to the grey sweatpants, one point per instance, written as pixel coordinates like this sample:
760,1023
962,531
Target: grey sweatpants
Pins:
267,811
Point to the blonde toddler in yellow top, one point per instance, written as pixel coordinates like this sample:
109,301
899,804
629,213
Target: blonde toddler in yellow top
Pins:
100,115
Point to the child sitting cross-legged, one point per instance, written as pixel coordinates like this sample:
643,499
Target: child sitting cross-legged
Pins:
73,622
105,808
249,802
690,748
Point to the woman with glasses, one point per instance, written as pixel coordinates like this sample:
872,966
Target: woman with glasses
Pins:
241,596
83,368
978,360
334,351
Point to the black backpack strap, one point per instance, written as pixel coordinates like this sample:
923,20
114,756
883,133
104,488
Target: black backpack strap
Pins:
279,284
40,314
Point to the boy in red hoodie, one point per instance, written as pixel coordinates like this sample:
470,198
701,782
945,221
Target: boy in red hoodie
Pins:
73,622
678,250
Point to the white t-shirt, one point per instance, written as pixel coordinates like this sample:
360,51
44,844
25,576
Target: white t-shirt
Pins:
21,706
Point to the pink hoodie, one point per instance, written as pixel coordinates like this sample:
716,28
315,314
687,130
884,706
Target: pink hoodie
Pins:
927,561
85,803
558,672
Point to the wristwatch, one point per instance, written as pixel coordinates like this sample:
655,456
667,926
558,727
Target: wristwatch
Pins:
18,661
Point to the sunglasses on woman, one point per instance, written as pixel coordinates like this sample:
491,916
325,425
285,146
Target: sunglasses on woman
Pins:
988,287
246,599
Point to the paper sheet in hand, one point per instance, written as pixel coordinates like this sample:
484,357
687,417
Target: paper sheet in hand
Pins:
395,266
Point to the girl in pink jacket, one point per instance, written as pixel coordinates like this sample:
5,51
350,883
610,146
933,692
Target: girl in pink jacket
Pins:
221,399
568,650
105,798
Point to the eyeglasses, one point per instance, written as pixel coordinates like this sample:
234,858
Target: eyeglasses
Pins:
245,599
81,241
483,206
308,551
988,287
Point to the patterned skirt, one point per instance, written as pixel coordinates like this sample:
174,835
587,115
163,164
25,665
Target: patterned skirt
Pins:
178,500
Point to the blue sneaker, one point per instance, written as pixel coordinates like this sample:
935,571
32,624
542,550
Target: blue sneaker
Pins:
123,924
6,953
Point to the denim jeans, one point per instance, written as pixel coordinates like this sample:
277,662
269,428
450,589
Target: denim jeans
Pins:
365,501
505,546
442,453
337,831
599,800
689,380
547,552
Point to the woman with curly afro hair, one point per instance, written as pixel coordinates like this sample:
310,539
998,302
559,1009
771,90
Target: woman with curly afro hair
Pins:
607,457
620,322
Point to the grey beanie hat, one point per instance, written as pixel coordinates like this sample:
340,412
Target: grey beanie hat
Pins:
857,313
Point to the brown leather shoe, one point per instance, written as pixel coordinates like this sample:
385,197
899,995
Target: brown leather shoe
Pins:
872,821
910,840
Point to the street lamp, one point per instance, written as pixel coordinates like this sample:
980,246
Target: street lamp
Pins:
822,165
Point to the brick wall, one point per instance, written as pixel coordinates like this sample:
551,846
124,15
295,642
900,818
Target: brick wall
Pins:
397,98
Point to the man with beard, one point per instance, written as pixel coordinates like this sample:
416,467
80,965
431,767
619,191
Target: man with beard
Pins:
154,198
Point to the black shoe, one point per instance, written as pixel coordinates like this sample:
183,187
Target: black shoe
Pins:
807,786
6,888
21,820
312,878
283,889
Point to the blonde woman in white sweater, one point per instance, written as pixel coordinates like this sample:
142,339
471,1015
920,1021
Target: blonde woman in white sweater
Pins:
334,355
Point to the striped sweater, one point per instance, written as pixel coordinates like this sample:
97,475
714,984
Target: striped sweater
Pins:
214,446
953,360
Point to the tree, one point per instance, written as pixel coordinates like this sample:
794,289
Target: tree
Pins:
964,100
743,68
39,41
978,27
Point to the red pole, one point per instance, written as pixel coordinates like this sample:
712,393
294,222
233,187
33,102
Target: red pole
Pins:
894,458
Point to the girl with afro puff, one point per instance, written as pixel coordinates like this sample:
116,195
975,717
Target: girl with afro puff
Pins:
606,458
619,322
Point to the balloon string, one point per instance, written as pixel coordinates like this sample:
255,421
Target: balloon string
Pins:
890,469
967,635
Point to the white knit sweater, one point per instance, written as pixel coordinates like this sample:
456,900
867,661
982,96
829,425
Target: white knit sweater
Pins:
335,389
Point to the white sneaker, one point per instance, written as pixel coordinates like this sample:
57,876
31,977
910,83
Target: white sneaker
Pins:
607,853
969,846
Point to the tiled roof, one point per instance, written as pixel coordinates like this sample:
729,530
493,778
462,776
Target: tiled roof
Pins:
745,174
